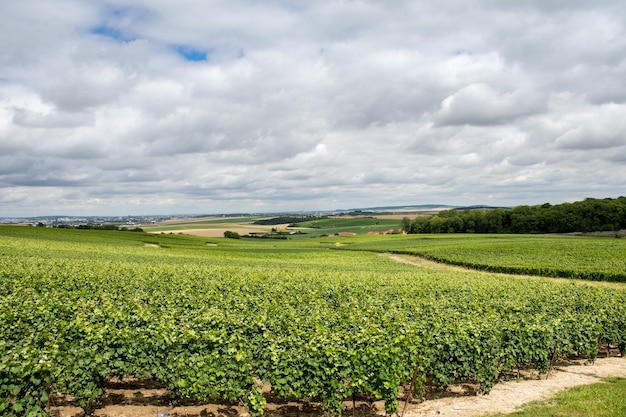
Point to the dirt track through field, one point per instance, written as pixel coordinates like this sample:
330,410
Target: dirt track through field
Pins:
507,396
426,263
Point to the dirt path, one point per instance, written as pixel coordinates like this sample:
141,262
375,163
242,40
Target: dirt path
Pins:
425,263
505,397
422,262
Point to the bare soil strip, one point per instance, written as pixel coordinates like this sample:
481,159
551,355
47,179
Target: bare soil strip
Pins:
507,396
423,263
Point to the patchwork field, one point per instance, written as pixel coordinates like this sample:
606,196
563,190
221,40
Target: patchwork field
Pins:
215,227
304,321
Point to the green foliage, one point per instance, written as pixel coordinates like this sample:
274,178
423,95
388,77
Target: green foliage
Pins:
342,222
287,220
100,227
26,379
590,215
216,322
232,235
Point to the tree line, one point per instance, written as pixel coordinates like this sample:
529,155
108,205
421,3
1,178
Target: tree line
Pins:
95,227
291,220
589,215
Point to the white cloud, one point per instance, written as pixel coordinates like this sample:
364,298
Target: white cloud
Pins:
480,104
600,127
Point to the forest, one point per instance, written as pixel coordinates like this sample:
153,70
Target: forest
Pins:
589,215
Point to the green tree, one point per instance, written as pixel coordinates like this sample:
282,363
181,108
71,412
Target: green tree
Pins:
232,235
405,225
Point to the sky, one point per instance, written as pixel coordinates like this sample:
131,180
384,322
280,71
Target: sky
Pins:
118,107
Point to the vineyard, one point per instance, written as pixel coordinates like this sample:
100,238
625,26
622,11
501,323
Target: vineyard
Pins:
218,320
592,258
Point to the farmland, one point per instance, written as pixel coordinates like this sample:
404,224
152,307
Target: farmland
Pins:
593,258
215,227
325,318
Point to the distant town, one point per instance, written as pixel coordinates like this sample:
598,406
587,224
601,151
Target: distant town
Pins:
54,221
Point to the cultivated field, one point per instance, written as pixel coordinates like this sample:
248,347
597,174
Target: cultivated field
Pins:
215,227
304,321
591,258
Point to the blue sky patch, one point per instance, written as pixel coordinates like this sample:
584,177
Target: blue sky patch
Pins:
191,54
110,32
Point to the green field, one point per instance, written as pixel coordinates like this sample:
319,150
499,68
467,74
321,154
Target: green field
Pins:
214,319
594,258
358,225
190,224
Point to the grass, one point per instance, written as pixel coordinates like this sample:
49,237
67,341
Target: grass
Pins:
603,399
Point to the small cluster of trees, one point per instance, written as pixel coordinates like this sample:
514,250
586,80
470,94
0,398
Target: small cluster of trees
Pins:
232,235
291,220
590,215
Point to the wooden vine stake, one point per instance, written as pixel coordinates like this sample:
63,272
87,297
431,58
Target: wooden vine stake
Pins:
408,397
556,344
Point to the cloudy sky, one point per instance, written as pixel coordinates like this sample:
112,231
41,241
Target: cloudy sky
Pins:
207,106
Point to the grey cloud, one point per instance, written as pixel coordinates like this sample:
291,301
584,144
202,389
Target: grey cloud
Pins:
12,166
608,85
13,199
28,118
527,158
76,89
552,5
39,170
46,182
572,49
618,157
32,30
75,149
430,140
